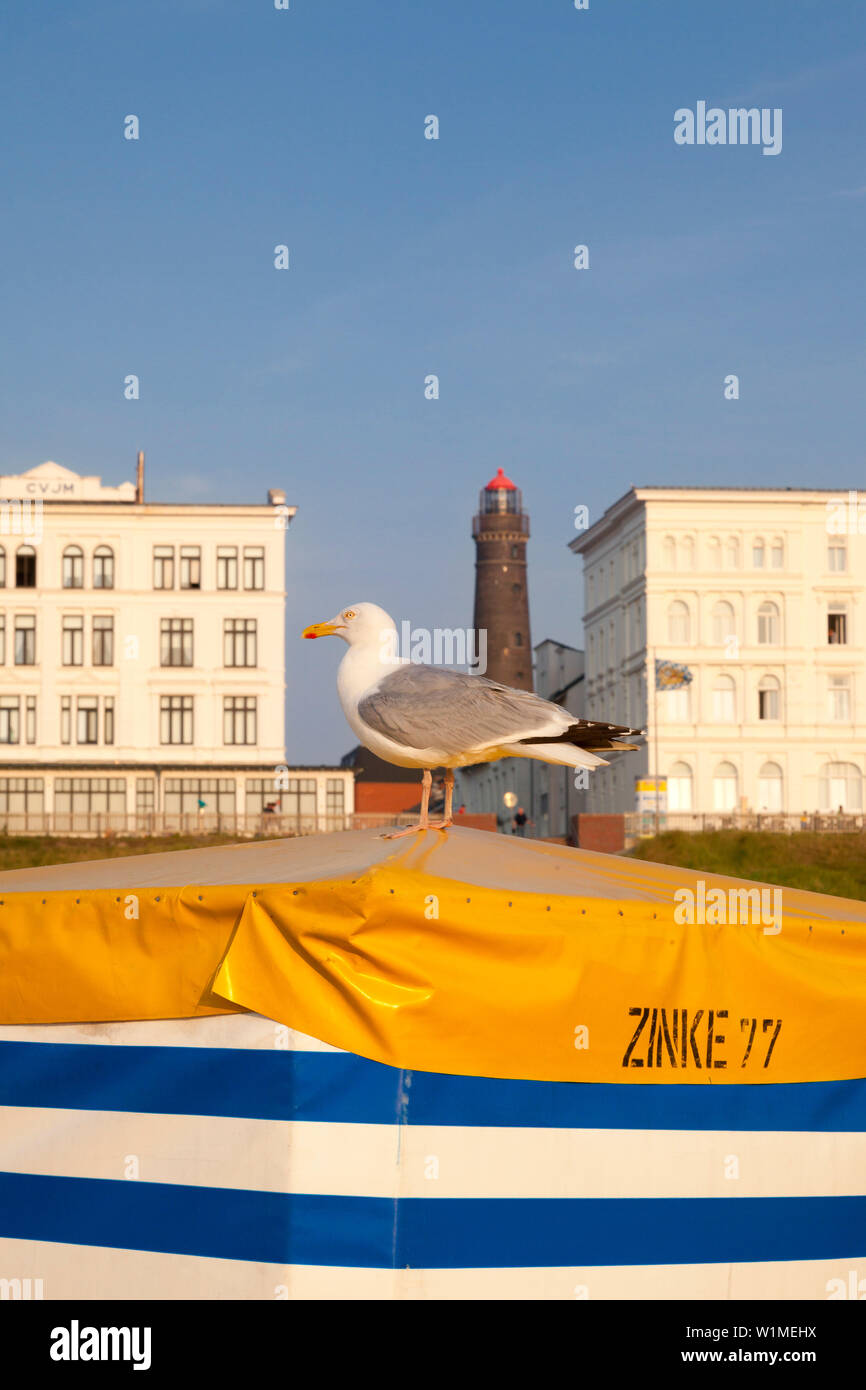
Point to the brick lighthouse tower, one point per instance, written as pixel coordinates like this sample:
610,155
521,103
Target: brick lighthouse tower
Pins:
500,531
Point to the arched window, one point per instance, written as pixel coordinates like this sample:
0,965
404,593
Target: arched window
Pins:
679,626
724,700
777,553
678,704
724,623
769,698
725,787
770,786
758,554
768,625
25,567
732,553
103,568
714,553
669,550
73,567
679,781
840,787
688,553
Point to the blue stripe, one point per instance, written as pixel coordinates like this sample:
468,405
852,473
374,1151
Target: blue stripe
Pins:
333,1086
431,1233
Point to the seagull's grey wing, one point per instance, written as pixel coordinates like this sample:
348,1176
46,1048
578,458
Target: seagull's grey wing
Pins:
429,707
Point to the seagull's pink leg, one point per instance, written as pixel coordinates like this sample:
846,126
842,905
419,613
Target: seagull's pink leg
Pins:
423,823
449,797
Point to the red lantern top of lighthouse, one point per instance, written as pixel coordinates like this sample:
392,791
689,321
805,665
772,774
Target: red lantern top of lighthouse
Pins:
500,481
500,495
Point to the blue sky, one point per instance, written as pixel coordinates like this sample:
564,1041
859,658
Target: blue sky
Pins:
411,256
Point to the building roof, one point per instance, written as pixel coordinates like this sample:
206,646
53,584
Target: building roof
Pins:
636,495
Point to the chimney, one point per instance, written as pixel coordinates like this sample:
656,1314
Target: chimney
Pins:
139,477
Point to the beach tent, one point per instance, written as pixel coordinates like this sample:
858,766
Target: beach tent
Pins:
448,1066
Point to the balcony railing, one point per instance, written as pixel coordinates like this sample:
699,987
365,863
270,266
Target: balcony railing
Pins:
189,824
640,825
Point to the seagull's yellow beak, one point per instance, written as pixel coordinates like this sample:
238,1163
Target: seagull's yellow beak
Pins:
321,629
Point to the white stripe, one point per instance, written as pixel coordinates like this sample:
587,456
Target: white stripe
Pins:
212,1030
458,1161
87,1272
419,1161
771,1280
93,1271
193,1150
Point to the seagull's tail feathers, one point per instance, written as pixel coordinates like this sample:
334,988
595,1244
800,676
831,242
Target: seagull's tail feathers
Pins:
592,734
565,754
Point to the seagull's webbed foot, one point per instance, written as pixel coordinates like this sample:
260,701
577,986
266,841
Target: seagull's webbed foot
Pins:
440,824
407,830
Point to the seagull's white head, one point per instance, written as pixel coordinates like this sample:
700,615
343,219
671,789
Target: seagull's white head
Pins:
358,623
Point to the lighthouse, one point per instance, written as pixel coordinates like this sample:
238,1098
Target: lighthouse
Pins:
500,530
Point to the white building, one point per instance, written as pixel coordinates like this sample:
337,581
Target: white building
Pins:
759,592
142,661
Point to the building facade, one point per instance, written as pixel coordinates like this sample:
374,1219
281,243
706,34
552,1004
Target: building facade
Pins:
142,660
759,593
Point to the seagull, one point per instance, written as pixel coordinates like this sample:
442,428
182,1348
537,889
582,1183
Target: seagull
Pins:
430,716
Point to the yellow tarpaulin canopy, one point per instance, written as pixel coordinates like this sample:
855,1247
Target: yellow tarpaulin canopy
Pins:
462,952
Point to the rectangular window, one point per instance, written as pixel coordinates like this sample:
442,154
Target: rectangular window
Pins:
108,719
239,719
103,641
840,698
209,795
837,555
22,796
10,730
300,797
66,719
190,567
2,639
145,796
837,625
254,567
262,795
227,567
30,719
90,796
2,568
73,641
175,719
87,719
163,566
25,641
175,642
240,641
335,796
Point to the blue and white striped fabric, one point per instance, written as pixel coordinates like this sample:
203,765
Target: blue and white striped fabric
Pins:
226,1158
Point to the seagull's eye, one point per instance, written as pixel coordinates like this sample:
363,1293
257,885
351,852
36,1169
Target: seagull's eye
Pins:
349,613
